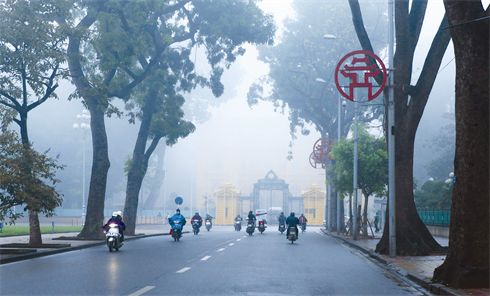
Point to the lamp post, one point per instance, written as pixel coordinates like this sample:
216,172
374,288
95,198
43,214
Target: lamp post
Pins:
84,126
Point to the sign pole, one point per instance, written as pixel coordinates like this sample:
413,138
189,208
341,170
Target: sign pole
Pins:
391,137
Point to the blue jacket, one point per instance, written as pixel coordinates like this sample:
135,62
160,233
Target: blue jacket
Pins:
177,217
292,221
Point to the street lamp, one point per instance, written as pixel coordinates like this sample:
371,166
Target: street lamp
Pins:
84,126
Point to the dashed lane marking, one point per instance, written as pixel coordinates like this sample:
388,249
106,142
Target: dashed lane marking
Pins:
220,250
141,291
238,239
231,244
206,258
183,270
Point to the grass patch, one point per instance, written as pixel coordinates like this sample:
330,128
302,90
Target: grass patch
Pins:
24,230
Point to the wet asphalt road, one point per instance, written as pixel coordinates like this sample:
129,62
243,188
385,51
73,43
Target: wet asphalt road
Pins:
219,262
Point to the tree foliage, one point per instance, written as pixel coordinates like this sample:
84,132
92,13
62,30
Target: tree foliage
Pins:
434,195
116,45
302,57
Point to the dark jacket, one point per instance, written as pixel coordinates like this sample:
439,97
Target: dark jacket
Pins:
117,221
281,218
251,217
292,221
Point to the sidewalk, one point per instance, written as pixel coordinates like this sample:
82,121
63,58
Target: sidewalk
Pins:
418,269
74,244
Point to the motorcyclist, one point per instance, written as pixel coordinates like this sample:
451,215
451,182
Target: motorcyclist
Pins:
116,219
281,219
303,220
251,217
292,221
177,217
238,218
198,218
209,218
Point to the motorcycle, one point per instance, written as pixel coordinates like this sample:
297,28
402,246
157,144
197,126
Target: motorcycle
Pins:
113,237
303,227
208,225
250,227
195,226
292,235
282,227
238,225
176,230
261,226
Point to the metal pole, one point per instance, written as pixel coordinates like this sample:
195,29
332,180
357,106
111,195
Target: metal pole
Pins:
329,207
339,126
83,181
391,136
354,185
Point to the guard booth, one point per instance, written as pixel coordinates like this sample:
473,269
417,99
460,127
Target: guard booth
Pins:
313,204
227,204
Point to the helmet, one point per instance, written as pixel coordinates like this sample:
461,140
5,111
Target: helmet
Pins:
292,214
178,211
301,214
197,213
238,215
250,212
114,215
119,213
282,213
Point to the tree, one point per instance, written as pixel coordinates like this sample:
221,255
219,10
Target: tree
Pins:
31,55
302,59
467,261
434,195
34,191
372,167
443,143
161,118
412,236
116,45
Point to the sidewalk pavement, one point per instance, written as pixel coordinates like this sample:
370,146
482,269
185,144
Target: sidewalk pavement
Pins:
418,269
74,244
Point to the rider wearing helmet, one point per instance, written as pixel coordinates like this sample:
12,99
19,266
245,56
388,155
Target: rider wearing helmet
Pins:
292,221
198,218
303,220
116,219
251,217
281,219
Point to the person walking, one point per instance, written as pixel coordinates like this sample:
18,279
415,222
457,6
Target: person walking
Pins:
376,221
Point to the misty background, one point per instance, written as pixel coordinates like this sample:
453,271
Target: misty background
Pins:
240,142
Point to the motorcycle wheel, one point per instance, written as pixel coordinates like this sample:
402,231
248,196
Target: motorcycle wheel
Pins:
175,238
111,246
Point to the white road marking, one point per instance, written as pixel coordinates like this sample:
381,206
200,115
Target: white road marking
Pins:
183,270
238,239
231,244
144,290
220,250
206,258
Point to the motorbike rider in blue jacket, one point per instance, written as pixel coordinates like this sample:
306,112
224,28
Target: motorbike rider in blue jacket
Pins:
177,217
292,221
251,217
116,219
281,219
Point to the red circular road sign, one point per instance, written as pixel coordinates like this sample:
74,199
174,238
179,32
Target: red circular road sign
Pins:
321,151
356,64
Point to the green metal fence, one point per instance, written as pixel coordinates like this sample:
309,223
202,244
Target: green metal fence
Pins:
435,217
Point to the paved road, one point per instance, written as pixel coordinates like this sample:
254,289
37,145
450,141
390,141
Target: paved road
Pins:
219,262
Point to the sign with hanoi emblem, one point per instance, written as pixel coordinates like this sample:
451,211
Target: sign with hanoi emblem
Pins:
357,70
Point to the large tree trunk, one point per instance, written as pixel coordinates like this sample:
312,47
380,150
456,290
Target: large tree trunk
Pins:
100,168
35,238
467,263
413,238
139,164
159,178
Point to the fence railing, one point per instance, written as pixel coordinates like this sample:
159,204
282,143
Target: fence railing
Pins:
435,217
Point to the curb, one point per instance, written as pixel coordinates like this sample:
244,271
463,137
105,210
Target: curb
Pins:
68,249
423,282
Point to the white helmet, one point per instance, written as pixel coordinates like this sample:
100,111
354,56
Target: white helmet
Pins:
119,213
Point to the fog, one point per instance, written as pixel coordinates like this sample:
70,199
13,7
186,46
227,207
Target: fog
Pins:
237,145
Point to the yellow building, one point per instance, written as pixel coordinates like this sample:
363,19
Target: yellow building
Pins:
226,204
314,204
